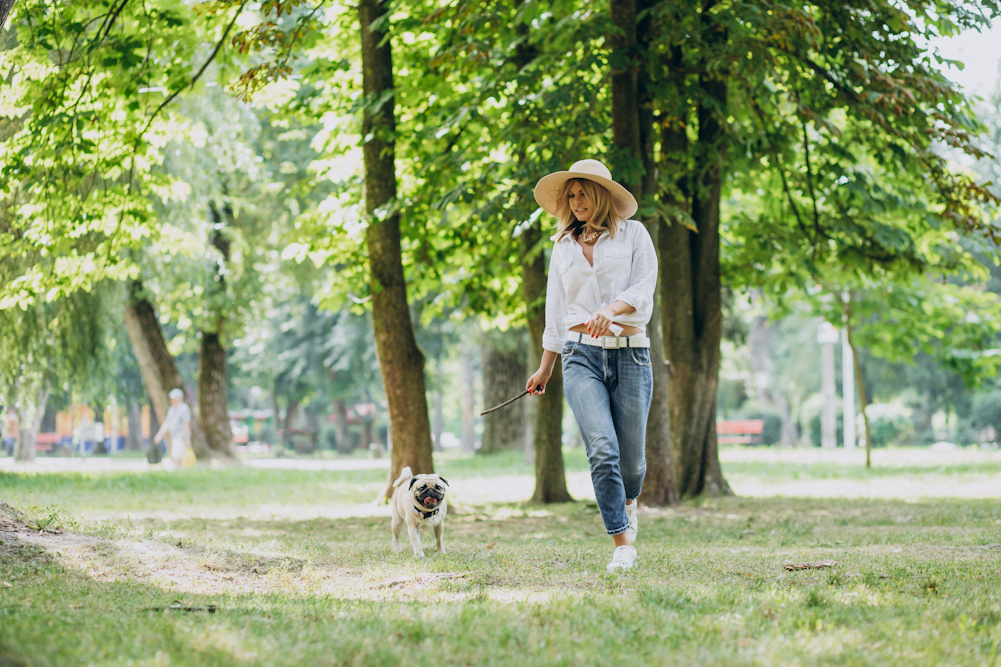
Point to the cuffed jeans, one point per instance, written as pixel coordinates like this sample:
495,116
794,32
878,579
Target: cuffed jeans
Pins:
609,392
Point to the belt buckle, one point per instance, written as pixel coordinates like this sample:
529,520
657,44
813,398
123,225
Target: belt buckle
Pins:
610,342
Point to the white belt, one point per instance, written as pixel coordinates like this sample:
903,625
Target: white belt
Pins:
609,342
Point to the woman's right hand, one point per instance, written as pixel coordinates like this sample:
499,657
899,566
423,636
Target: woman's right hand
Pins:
537,383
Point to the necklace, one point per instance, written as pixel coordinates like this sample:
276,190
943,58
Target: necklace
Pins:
591,238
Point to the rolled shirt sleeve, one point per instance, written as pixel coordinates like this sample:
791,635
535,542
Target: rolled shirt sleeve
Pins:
555,334
642,280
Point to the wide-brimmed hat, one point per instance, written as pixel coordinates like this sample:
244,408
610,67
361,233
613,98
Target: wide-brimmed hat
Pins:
547,192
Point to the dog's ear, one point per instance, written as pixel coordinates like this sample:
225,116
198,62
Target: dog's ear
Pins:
412,483
445,480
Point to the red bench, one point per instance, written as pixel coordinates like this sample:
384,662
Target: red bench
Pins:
46,442
739,431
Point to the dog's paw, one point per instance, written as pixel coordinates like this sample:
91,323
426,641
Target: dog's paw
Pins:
419,554
441,551
397,547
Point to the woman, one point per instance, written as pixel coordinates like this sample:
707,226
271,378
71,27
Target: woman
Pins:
599,298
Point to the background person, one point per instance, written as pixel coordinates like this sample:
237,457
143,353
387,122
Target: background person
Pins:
599,299
178,425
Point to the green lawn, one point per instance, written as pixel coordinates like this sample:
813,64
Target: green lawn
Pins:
916,583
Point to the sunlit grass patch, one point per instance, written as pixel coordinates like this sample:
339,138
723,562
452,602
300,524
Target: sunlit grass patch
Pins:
915,583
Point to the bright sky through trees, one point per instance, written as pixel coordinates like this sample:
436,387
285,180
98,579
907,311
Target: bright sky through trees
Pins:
980,52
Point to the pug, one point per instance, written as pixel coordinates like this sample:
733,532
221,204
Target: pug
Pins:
419,502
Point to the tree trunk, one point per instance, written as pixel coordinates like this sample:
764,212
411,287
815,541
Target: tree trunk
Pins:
341,427
366,437
504,375
860,387
632,130
291,412
550,475
546,428
213,403
213,390
133,442
157,365
467,401
401,362
691,301
5,7
29,418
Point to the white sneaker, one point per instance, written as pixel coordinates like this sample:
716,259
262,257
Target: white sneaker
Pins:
623,558
634,525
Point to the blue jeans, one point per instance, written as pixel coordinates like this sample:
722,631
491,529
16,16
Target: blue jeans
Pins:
609,392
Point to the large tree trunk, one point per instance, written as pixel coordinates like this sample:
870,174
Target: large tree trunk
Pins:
691,300
213,383
550,475
546,430
504,374
633,134
29,411
157,365
213,403
400,361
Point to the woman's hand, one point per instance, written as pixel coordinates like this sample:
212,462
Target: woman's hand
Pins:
537,383
600,322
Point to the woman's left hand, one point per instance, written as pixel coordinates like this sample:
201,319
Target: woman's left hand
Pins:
600,322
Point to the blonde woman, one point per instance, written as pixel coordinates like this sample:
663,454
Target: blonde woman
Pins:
602,276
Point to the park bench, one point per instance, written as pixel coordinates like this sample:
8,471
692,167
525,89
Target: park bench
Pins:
739,431
46,442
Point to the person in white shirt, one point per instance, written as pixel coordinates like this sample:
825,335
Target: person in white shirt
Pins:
178,425
599,299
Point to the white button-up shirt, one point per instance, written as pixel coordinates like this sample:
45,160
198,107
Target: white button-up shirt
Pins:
625,269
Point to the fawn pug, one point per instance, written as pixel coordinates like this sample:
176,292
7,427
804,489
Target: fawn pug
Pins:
419,502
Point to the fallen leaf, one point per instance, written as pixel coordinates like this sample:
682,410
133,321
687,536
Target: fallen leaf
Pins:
491,545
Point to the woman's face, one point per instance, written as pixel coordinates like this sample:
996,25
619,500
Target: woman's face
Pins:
578,203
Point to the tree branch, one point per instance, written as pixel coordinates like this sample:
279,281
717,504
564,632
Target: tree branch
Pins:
197,76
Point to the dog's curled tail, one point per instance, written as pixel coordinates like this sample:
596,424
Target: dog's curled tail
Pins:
405,474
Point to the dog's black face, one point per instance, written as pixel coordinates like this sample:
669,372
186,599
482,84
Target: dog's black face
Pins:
428,492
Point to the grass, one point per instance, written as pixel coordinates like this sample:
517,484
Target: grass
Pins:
916,583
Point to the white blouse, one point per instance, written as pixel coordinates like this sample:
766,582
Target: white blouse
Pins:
625,269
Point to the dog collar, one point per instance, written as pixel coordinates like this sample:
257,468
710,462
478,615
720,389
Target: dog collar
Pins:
426,515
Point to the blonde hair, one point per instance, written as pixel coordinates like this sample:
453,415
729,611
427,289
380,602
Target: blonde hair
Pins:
604,217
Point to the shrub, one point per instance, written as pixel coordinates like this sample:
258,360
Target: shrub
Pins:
772,434
890,424
986,411
815,428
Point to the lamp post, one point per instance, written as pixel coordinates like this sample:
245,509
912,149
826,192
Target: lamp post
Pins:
827,336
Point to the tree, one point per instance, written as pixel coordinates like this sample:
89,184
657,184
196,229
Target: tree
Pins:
85,74
400,360
633,135
157,363
504,373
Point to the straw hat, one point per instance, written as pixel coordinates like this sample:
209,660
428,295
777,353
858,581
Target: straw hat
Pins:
548,190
